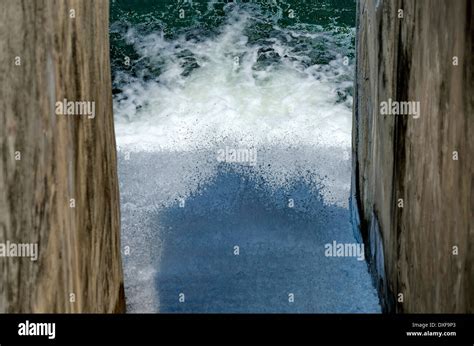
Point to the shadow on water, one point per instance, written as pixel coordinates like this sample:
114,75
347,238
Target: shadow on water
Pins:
281,251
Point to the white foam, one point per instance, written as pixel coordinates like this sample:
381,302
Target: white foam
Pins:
286,104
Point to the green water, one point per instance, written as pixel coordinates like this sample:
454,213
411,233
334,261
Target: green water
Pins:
202,19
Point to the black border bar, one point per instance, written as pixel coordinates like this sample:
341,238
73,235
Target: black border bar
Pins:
135,329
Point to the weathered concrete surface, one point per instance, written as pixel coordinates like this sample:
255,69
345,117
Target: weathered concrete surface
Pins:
399,157
62,157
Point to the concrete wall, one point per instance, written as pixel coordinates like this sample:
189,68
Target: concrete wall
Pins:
62,157
400,157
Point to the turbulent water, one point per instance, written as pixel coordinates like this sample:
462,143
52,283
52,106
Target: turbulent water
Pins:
233,125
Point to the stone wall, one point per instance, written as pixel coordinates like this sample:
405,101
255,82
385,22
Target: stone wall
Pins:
413,178
58,176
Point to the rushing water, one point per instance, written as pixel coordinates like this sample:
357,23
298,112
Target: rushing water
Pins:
233,125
